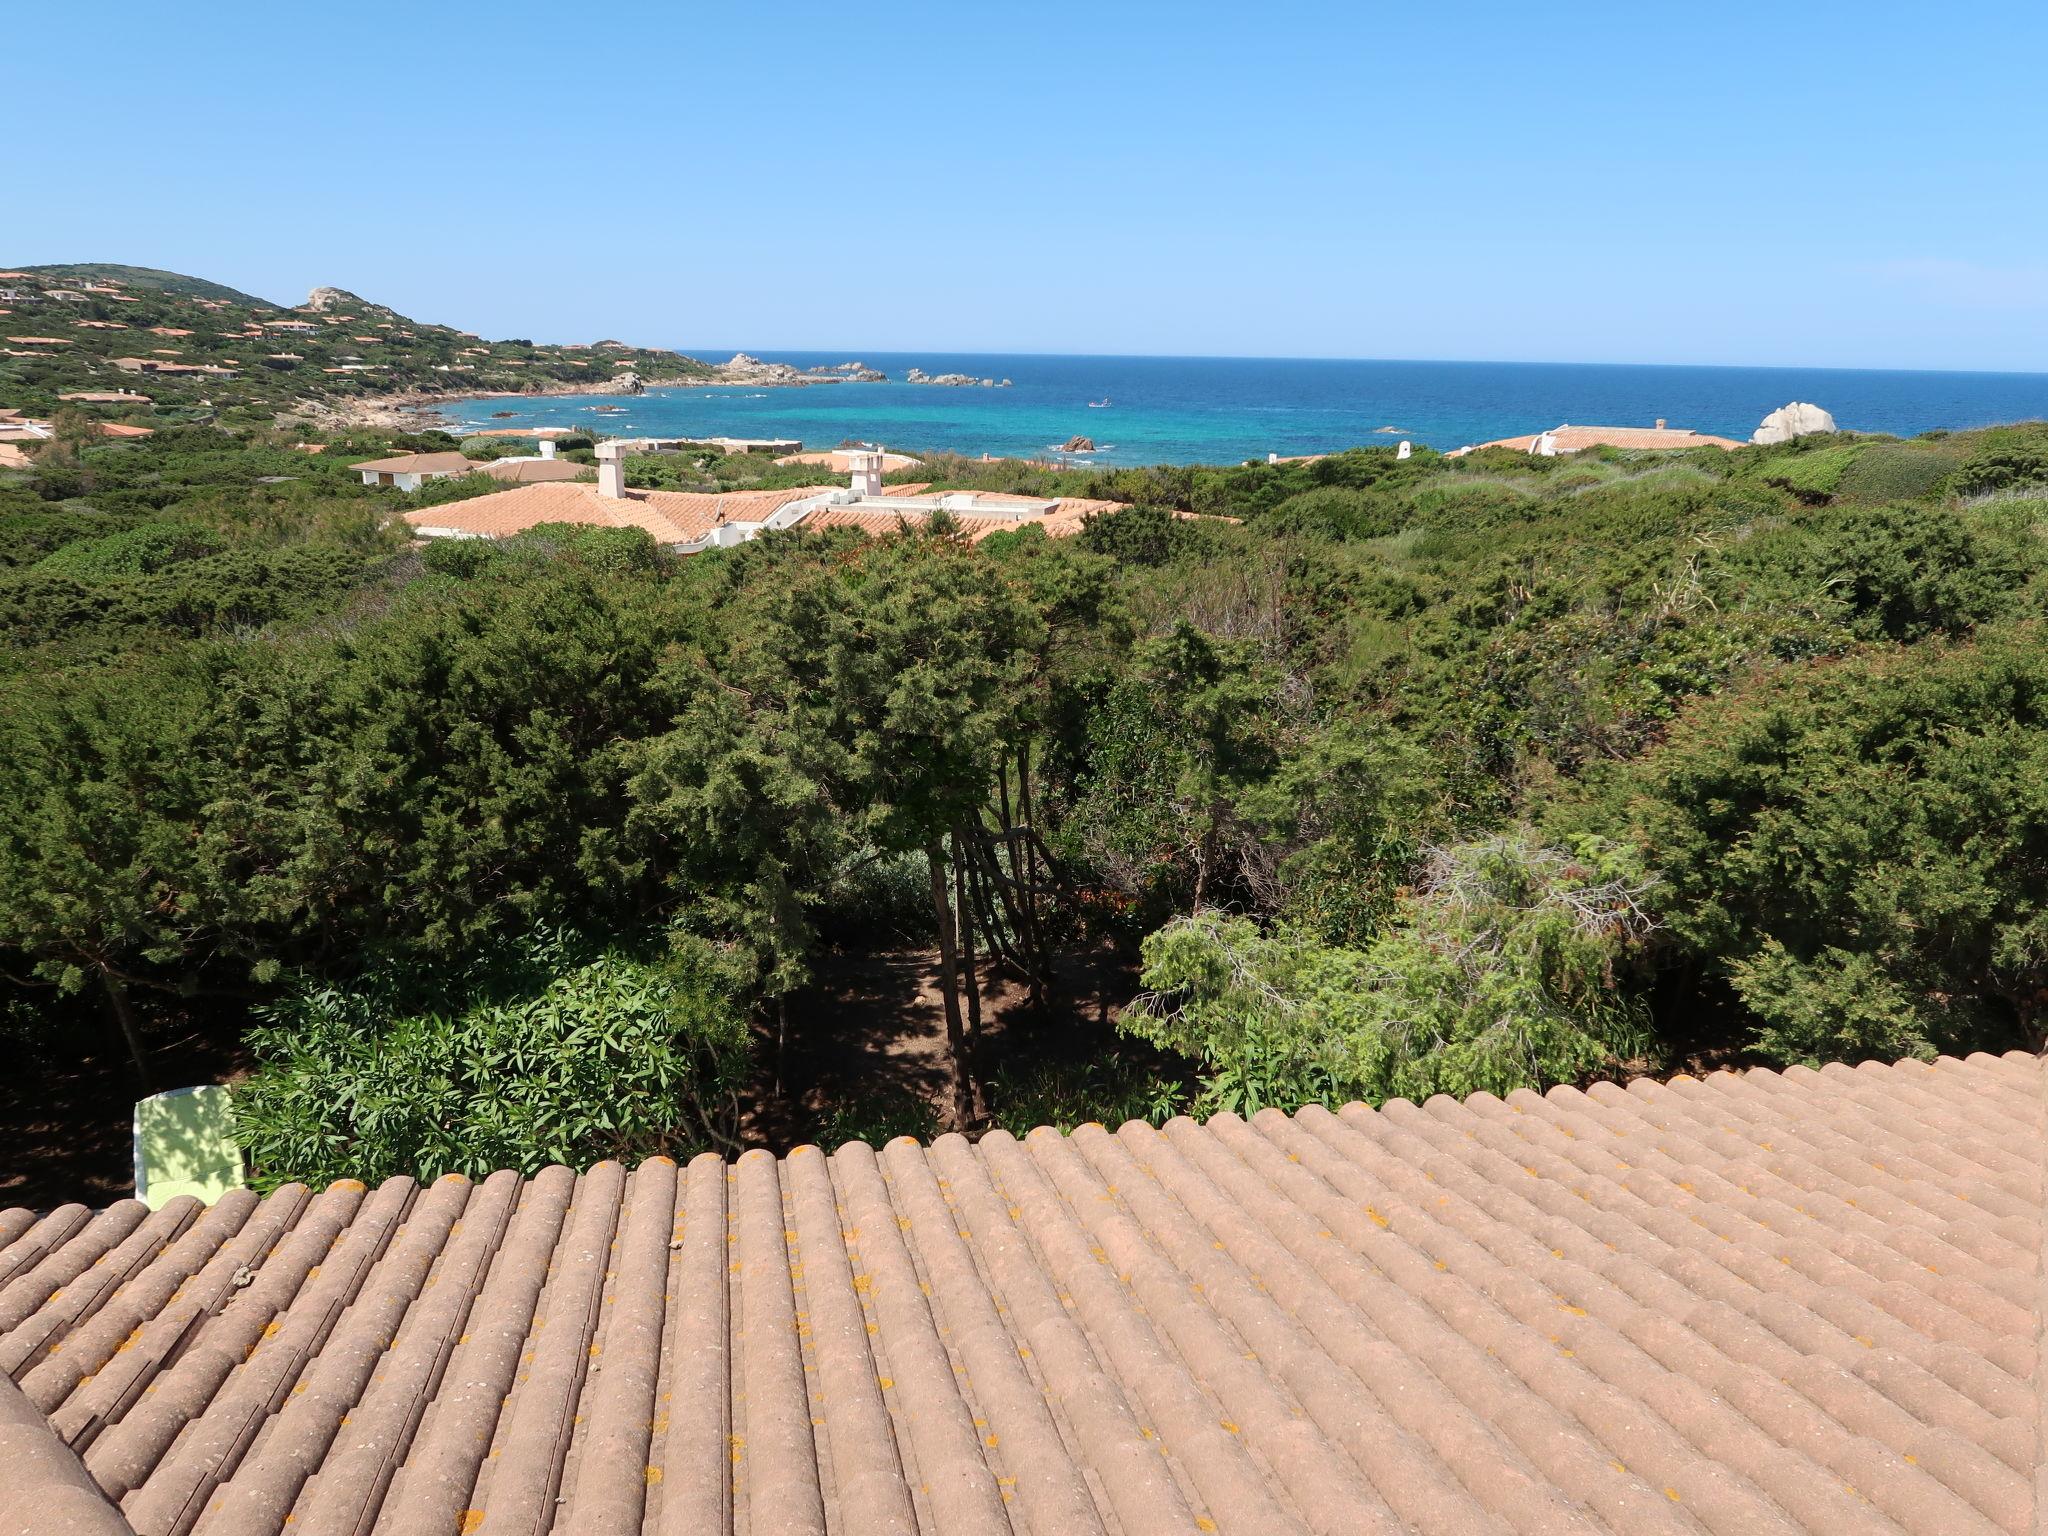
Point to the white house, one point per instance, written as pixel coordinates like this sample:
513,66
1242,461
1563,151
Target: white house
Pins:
410,471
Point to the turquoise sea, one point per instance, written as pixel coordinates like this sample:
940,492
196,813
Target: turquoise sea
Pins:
1222,410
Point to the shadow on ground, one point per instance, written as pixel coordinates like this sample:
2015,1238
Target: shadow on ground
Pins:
67,1121
867,1041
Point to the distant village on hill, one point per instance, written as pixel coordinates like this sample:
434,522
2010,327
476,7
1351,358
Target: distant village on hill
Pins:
145,348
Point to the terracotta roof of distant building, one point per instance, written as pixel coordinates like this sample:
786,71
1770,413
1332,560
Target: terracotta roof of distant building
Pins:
106,397
669,517
1572,439
536,471
1742,1304
168,330
418,464
118,429
42,341
839,460
877,524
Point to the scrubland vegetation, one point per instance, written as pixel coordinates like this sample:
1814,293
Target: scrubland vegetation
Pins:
1388,777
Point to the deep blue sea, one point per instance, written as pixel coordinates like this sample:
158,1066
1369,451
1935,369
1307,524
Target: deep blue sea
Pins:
1222,410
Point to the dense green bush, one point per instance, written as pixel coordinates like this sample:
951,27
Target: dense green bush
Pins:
1900,471
139,551
1893,573
1859,848
569,1058
1335,512
1499,971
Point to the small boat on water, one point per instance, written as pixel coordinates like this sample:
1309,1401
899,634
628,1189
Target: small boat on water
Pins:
1099,405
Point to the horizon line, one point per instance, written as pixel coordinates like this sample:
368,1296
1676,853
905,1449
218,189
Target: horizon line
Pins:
710,354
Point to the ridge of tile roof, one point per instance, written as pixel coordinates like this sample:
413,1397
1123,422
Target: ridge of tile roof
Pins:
1740,1303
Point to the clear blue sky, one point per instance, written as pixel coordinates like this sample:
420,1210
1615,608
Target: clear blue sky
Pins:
1853,184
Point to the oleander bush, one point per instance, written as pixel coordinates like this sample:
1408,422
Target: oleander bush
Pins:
553,1054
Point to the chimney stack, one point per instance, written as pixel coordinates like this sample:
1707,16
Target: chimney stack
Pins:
611,470
866,465
1660,423
547,447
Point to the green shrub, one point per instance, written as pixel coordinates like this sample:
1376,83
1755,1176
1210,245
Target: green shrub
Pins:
1334,512
2002,470
1814,475
135,552
1064,1094
568,1058
1498,972
1857,847
879,1118
1899,471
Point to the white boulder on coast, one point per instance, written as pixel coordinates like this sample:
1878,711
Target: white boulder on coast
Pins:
1799,419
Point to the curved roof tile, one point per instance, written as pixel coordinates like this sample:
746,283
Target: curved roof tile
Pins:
1766,1302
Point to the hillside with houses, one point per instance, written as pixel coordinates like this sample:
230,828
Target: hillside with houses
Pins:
146,349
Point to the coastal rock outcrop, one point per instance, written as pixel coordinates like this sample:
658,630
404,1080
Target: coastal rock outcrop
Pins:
324,298
953,380
628,383
1078,444
746,369
1795,420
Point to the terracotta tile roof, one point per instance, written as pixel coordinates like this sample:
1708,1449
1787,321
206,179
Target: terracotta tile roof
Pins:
878,523
839,460
1572,439
536,471
419,464
669,517
1766,1303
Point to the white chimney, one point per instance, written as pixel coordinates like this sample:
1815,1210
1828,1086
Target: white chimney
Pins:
866,465
611,470
1405,450
1660,423
547,447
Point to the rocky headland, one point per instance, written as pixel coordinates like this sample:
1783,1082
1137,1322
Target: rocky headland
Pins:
743,369
954,380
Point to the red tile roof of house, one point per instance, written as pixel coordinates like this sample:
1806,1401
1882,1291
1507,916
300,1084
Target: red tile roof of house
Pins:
669,517
536,471
1572,439
839,460
419,464
679,517
1743,1304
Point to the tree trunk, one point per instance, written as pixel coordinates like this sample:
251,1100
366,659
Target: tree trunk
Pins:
131,1029
949,988
1033,944
973,982
781,1038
